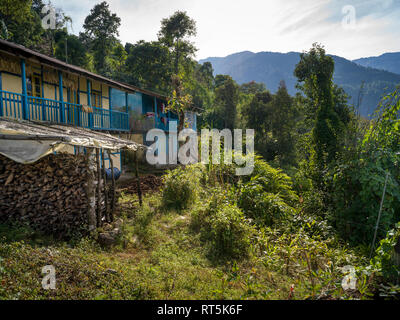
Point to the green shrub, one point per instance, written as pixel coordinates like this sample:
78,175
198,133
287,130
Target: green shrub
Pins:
230,232
267,196
181,187
358,184
312,203
358,189
386,262
264,207
301,183
273,181
215,199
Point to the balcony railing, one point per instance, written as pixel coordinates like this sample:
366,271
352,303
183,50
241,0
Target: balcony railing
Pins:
41,109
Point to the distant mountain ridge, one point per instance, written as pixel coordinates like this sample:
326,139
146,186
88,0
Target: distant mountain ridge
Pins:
272,67
387,61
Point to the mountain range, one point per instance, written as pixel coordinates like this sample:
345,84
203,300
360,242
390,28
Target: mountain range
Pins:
379,74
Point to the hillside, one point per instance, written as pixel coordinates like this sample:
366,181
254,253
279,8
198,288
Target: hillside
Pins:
388,61
271,67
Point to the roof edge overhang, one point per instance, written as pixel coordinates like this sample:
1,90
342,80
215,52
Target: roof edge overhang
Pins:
23,52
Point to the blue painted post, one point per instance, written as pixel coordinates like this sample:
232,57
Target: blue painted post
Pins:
1,97
101,105
60,89
110,106
42,94
155,112
25,110
90,115
78,100
123,124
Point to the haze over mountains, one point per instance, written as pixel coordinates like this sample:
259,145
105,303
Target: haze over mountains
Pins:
380,74
388,61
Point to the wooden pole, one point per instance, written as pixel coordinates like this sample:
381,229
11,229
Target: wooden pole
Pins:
379,216
90,191
105,187
112,186
98,192
139,190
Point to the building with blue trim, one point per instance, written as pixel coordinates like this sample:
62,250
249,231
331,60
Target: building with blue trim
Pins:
36,87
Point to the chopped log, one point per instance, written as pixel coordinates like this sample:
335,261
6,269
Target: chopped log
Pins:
112,187
91,191
107,214
98,193
51,195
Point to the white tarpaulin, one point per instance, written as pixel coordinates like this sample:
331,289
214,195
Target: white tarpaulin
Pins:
27,142
27,151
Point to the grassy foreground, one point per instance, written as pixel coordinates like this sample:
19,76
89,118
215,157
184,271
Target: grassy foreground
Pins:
163,255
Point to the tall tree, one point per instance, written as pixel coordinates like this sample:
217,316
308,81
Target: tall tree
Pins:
101,32
252,87
70,49
175,34
148,65
20,23
51,35
314,73
256,115
283,114
226,101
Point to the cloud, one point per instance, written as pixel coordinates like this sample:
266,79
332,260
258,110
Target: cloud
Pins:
226,26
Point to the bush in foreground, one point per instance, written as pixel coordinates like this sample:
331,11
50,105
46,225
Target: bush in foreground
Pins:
230,232
181,187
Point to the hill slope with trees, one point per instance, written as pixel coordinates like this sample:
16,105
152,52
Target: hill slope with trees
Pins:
387,61
272,67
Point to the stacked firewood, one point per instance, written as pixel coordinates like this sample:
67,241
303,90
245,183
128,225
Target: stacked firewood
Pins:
49,195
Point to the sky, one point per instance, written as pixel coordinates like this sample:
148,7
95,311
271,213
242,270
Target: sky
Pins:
351,29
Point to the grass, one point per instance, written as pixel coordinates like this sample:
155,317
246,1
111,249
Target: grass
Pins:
161,256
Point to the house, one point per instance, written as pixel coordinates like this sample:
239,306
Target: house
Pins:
36,87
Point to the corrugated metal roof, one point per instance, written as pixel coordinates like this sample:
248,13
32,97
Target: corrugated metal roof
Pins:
13,129
24,52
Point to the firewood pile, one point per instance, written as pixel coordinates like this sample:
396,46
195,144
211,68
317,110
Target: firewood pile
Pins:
50,194
150,183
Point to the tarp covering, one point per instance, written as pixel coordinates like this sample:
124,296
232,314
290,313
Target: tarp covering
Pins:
27,142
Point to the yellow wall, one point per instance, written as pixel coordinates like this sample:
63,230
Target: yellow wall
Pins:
83,99
82,84
95,85
105,90
105,102
116,161
11,83
48,91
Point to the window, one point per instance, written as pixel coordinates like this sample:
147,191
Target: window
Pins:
118,100
34,86
96,99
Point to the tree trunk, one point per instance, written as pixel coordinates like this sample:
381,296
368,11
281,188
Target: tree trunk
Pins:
105,188
98,192
90,191
112,187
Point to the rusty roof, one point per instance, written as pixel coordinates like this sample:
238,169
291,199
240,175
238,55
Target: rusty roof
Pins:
24,52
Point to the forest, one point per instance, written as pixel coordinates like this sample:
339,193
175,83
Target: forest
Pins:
324,194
